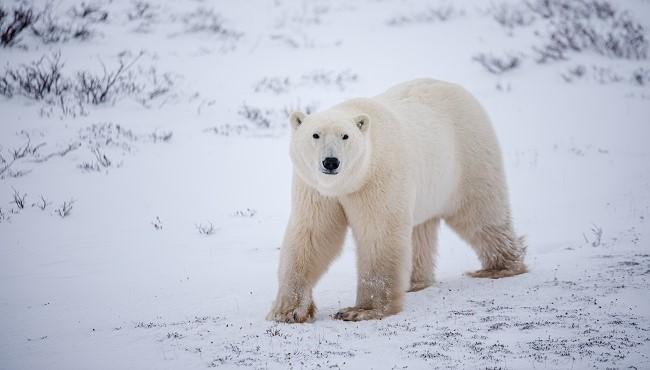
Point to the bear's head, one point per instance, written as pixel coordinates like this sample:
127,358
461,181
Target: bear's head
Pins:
331,150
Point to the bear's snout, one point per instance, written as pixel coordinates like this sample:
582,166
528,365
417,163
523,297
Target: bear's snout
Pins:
331,164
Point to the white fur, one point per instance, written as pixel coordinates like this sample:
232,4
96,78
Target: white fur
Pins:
422,151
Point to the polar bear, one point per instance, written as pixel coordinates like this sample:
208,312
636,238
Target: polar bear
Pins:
391,168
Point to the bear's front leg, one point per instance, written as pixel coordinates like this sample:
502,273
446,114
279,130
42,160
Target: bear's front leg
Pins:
384,251
314,237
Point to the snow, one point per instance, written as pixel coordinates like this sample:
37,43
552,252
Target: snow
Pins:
126,280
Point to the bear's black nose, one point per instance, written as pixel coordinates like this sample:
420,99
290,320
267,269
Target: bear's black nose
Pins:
331,163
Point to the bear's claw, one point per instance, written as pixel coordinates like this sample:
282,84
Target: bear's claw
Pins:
516,269
358,314
293,315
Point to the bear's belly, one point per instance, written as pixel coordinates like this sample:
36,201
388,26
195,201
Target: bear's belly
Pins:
434,199
437,178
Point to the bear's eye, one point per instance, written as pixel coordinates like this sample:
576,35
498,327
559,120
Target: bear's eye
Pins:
345,137
315,136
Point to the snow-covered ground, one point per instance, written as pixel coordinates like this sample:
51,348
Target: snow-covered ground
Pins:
178,181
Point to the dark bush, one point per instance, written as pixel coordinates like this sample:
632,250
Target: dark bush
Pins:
497,65
10,29
589,25
52,30
36,80
97,89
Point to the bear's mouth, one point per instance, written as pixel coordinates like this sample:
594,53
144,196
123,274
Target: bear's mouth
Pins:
329,172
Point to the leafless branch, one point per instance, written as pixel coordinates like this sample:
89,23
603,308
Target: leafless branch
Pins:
60,153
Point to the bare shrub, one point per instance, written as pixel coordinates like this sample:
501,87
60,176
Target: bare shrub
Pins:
497,65
568,26
549,53
6,87
298,107
107,140
54,28
4,216
17,173
206,20
606,75
309,13
641,76
147,84
141,10
10,29
277,85
101,161
41,203
246,213
59,153
18,198
38,80
25,151
164,136
297,41
47,25
98,89
546,9
111,135
101,158
511,15
65,208
205,229
589,25
89,11
574,73
144,13
441,13
44,80
259,117
144,85
108,134
597,233
226,129
89,166
157,223
328,78
29,153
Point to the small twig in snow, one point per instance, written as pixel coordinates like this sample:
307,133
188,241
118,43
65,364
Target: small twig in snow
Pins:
18,199
102,159
65,208
41,203
598,235
205,229
157,224
248,212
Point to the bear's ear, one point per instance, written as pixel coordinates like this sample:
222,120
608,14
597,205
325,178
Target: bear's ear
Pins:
362,122
296,119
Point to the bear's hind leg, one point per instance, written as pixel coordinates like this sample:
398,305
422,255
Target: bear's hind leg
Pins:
425,243
501,252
